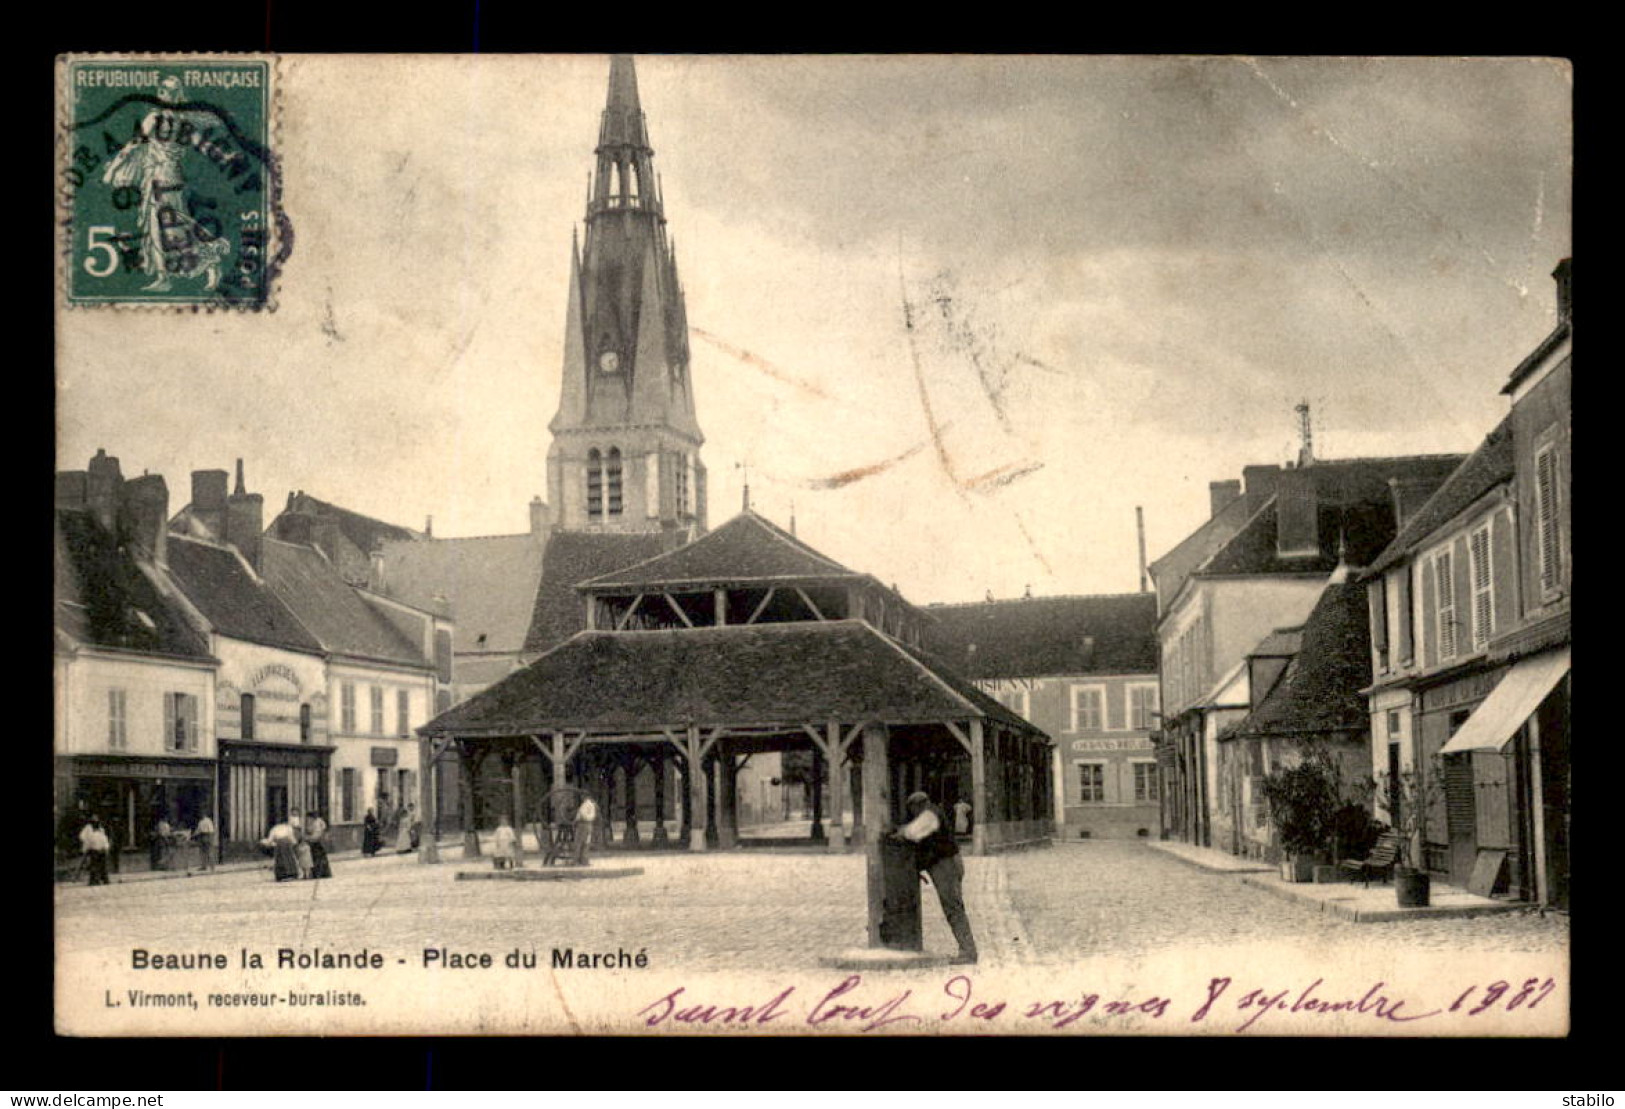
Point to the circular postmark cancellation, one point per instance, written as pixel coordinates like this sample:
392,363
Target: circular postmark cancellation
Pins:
169,192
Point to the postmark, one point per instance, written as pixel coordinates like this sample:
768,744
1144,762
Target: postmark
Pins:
168,188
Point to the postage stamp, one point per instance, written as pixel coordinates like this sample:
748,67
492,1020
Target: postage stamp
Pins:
168,187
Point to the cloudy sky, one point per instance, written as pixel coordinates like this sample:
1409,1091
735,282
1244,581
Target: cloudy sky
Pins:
1122,274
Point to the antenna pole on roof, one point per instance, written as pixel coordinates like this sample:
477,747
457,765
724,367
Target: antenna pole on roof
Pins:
745,467
792,517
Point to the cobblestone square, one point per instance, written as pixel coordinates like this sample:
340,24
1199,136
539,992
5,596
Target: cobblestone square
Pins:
756,911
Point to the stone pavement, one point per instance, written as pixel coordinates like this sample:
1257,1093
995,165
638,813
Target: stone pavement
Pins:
742,910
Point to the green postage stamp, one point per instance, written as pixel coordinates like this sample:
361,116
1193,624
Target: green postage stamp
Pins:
168,187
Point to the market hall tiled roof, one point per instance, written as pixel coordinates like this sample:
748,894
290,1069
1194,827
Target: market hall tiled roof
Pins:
556,609
1490,465
748,549
1321,688
789,674
1039,636
104,599
330,608
237,604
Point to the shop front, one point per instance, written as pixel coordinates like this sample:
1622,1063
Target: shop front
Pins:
261,784
132,794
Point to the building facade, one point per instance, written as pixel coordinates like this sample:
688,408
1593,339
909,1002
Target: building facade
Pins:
1470,647
1082,670
134,677
1232,584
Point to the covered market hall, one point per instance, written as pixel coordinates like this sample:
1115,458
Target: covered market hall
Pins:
742,642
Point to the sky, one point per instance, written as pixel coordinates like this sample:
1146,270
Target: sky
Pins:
960,316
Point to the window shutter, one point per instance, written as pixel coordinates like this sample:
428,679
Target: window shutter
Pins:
1445,592
1377,593
1483,586
189,704
1403,634
169,722
1546,516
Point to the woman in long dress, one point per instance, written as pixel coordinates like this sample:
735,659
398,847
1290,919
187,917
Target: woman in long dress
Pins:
285,862
403,834
371,836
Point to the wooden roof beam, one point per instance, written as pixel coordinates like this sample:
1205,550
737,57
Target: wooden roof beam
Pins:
766,600
626,617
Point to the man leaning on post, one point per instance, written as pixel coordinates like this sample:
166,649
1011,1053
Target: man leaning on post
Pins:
937,856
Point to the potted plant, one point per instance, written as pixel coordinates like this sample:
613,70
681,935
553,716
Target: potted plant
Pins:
1410,795
1303,800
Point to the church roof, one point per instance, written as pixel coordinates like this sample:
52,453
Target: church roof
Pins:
1039,636
786,674
556,610
490,582
749,549
329,607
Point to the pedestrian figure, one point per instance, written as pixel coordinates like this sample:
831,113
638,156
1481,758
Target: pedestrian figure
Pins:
162,844
962,817
94,843
301,849
586,813
316,840
285,859
504,849
371,835
204,835
937,857
405,837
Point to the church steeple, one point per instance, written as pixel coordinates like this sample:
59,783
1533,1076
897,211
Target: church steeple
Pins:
625,454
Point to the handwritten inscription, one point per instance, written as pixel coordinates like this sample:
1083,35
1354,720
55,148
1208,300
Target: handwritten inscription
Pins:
852,1006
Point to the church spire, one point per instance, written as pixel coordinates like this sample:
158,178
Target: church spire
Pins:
625,176
625,453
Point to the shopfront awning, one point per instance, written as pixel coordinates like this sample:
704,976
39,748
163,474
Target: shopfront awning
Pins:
1509,704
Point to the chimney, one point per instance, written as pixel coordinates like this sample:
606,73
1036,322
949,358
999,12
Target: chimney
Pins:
1260,483
245,521
1564,274
1408,495
538,517
102,484
146,511
71,488
209,501
1220,494
428,527
1297,516
324,533
295,527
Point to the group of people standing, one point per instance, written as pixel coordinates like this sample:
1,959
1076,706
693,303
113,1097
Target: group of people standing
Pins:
170,847
299,849
405,830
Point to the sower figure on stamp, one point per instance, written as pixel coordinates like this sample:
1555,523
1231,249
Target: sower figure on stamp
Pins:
937,856
173,242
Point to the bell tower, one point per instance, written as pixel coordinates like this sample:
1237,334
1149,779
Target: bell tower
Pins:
626,444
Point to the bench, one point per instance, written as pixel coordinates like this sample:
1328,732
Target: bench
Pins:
1381,860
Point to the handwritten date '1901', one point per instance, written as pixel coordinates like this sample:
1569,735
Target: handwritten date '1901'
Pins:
852,1007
